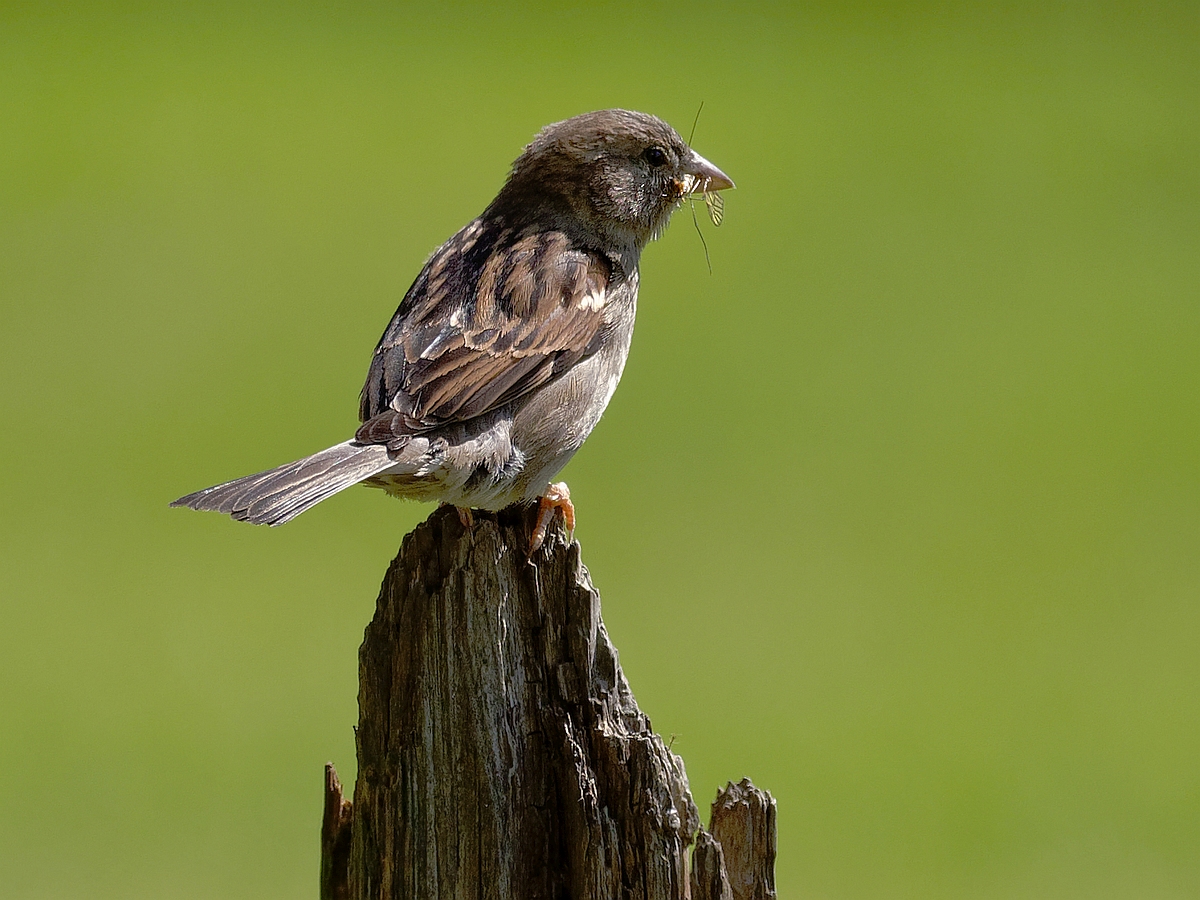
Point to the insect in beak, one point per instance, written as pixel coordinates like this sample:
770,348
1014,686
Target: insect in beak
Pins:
705,179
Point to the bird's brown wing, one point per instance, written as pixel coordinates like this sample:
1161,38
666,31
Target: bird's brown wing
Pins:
485,322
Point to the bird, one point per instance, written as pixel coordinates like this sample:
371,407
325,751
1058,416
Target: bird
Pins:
508,346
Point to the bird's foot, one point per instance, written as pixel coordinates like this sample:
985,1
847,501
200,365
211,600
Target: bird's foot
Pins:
556,498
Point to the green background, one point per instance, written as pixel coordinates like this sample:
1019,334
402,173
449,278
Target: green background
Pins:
896,512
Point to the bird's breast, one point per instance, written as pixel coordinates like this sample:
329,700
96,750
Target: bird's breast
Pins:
555,421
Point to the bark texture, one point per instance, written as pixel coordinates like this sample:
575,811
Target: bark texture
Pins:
709,879
335,839
743,823
501,753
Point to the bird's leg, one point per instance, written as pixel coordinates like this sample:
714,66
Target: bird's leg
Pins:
556,497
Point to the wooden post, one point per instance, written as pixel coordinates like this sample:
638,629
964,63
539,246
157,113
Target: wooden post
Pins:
501,753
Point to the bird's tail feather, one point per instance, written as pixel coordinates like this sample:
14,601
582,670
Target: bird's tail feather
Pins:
279,495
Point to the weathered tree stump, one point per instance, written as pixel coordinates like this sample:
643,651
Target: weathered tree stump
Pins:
501,753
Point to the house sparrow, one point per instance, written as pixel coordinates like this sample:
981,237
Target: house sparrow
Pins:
509,345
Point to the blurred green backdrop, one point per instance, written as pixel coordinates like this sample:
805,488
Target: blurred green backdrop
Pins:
896,512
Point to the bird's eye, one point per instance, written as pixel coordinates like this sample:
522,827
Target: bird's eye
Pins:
656,156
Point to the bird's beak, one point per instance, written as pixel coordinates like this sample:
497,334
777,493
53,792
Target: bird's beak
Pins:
703,176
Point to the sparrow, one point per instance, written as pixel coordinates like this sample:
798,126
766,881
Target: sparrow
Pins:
508,346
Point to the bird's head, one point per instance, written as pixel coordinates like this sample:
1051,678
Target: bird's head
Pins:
617,173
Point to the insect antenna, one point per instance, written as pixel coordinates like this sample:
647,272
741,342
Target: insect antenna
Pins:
692,200
703,242
694,121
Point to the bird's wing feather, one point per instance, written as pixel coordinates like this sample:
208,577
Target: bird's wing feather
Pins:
490,318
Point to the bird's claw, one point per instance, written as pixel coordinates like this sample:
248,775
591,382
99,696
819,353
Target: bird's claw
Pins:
556,498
